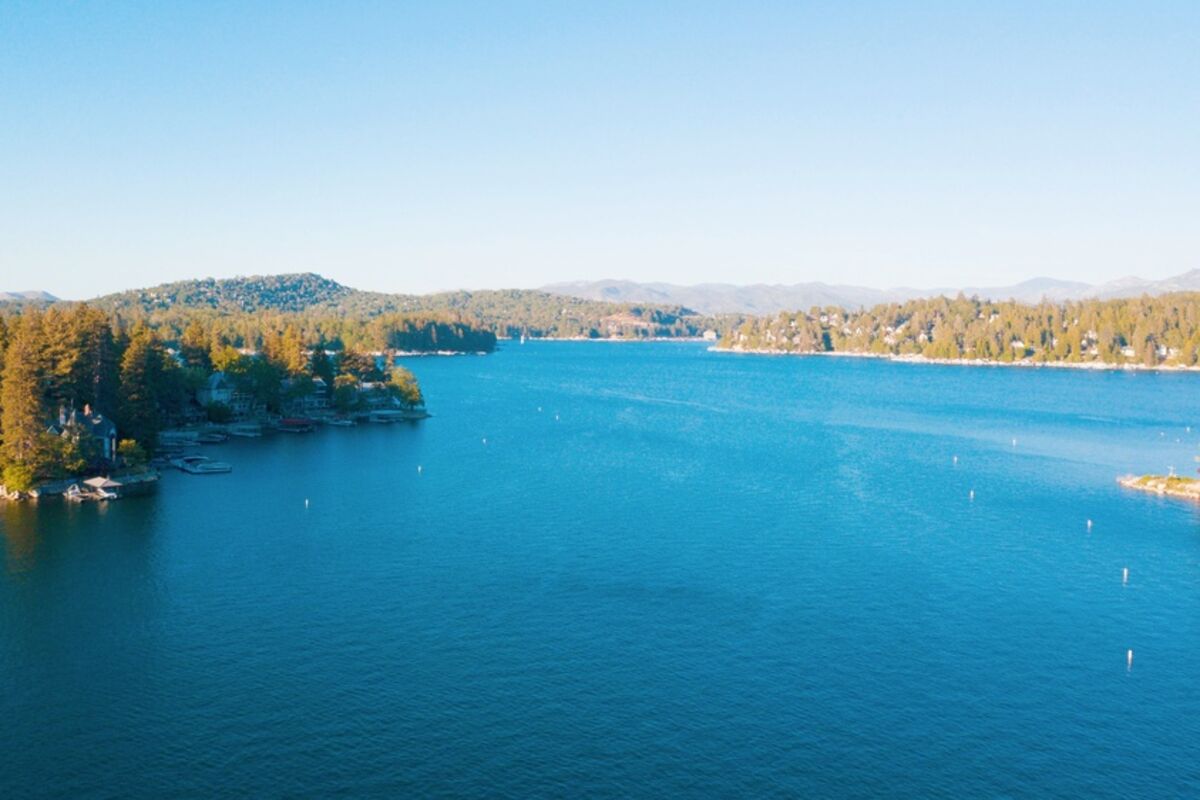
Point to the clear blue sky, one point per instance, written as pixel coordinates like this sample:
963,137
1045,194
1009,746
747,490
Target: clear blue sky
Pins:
412,147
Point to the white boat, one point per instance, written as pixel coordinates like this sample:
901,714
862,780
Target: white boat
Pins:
177,438
201,465
341,422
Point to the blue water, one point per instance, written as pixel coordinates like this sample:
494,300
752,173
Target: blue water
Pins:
687,574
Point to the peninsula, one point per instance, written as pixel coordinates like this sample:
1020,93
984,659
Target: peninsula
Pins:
1144,333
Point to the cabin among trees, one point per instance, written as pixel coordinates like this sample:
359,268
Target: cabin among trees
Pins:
83,391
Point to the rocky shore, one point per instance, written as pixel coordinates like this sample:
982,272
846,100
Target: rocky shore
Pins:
1169,485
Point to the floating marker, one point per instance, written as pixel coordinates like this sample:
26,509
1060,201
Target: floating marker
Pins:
539,409
1014,442
1129,659
306,502
485,440
419,469
556,417
1089,524
956,460
971,496
1125,576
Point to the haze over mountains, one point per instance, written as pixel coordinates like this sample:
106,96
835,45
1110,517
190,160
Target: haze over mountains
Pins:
295,292
719,298
34,296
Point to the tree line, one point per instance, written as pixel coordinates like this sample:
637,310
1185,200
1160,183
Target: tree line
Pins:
324,309
1148,331
69,357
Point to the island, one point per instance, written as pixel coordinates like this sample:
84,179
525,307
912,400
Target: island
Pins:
1169,485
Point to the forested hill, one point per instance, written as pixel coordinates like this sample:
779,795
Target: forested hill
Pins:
316,299
1147,331
259,293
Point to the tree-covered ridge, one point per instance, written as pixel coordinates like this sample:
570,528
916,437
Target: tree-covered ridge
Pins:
326,308
1149,331
249,294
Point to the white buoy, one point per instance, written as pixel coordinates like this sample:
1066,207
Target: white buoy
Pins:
306,502
1014,442
971,496
956,460
539,409
1125,576
556,417
485,440
1089,524
419,469
1129,659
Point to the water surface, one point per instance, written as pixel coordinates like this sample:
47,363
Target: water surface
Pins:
666,572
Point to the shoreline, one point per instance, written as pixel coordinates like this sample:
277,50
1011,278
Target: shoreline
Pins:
612,339
1094,366
176,439
433,353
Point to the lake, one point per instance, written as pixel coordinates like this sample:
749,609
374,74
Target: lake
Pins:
636,570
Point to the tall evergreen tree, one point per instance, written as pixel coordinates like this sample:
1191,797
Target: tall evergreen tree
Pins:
26,452
141,383
194,345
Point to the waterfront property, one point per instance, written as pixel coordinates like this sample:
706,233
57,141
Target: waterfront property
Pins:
93,433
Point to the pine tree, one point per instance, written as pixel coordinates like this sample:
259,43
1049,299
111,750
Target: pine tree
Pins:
292,357
26,452
194,346
141,382
404,385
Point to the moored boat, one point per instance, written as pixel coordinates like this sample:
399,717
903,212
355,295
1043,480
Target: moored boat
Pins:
201,465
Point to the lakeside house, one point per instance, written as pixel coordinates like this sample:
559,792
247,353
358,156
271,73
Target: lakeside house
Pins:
305,396
221,390
86,428
218,388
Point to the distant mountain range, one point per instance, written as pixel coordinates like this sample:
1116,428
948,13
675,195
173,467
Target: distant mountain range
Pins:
505,312
722,298
27,297
306,291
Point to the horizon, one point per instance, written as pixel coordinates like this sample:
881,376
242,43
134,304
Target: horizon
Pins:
410,150
549,287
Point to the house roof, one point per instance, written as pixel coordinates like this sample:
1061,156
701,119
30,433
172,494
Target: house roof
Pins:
218,380
102,483
95,424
